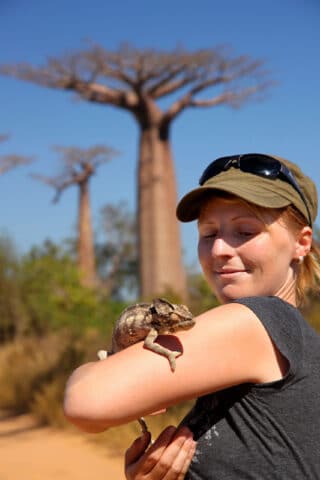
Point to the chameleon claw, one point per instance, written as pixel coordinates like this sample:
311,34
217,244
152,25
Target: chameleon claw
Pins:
102,354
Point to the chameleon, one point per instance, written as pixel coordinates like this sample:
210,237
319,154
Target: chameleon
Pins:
145,321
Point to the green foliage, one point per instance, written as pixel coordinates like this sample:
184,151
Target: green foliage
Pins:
52,296
12,311
117,255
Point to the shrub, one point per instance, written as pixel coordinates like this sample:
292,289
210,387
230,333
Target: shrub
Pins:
28,364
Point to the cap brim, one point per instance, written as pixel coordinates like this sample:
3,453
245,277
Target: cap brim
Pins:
257,190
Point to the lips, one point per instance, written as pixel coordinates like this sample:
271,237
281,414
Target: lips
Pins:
227,271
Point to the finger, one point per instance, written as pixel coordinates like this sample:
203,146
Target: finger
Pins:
138,448
160,461
176,458
149,460
138,462
178,469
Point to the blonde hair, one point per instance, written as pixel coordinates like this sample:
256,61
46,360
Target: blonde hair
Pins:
308,274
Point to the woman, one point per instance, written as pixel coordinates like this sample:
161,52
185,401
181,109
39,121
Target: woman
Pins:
253,362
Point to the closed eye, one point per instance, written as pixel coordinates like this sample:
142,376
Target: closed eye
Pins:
247,233
208,234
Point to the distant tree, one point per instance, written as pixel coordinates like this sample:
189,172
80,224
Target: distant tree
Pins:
10,161
78,167
117,256
12,312
135,80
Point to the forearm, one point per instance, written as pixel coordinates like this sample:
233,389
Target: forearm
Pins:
76,397
117,390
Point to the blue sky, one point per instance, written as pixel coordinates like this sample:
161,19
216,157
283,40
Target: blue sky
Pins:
285,33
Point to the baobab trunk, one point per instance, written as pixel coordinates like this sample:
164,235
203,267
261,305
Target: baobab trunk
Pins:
160,256
86,258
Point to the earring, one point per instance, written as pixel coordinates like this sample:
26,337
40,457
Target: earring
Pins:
300,259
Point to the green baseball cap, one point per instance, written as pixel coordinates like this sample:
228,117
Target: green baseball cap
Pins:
252,181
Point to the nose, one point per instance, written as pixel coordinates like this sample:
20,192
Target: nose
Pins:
221,248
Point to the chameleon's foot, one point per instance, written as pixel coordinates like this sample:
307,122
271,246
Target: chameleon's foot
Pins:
155,347
172,359
143,425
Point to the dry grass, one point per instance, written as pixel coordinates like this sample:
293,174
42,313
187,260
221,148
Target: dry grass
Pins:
33,372
46,405
118,439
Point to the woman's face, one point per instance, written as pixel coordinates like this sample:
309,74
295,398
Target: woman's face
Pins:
242,254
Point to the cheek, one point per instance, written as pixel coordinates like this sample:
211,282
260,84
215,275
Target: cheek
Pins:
269,256
204,251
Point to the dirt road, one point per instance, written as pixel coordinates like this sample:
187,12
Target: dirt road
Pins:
30,452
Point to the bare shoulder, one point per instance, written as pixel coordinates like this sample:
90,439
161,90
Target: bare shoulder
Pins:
230,318
231,342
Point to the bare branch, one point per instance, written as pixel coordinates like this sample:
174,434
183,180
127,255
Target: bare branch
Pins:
8,162
108,64
229,73
232,98
71,73
218,100
167,87
55,182
78,165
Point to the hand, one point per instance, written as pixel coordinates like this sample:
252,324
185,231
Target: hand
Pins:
168,458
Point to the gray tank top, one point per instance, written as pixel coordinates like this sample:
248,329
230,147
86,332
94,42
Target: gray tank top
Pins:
270,430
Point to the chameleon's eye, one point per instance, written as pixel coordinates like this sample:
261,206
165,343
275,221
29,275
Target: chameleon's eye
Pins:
174,317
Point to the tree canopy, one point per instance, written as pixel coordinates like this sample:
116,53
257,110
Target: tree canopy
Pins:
119,77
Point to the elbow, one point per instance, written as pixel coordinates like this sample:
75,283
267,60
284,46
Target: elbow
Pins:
73,411
82,408
86,419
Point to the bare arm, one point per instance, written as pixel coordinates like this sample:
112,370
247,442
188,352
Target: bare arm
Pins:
227,346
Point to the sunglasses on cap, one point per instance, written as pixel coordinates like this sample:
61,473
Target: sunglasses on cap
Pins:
257,164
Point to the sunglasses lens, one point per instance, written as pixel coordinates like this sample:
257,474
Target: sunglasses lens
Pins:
216,167
260,165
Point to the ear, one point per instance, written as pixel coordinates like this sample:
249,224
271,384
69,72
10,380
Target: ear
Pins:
303,242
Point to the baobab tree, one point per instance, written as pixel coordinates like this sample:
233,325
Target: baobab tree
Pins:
10,161
136,80
79,164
